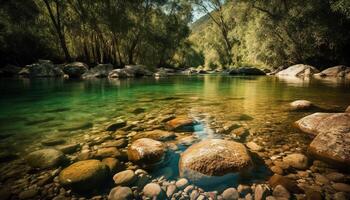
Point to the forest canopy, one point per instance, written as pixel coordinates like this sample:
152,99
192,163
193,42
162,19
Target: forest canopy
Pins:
161,33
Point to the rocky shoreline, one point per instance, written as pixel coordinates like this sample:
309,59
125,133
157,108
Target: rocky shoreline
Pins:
45,68
117,162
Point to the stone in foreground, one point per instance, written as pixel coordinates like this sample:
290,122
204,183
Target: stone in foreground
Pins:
332,146
214,157
296,160
146,151
120,193
45,158
321,122
84,175
153,191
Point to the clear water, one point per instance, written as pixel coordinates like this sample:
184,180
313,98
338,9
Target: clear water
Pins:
32,110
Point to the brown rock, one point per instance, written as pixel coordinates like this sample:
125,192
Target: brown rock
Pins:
84,175
159,135
109,152
146,151
297,160
214,157
181,124
113,164
341,187
301,105
287,183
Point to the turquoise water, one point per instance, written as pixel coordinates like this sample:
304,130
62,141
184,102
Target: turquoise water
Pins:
33,110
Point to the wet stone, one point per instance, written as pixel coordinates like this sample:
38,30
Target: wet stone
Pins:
69,148
109,152
296,160
280,192
125,178
45,158
117,125
120,193
153,191
181,183
260,192
230,194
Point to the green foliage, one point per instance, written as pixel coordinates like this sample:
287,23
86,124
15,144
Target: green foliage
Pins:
112,31
278,32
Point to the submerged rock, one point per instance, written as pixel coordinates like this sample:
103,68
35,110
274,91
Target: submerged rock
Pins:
247,71
113,164
297,160
301,105
153,191
108,152
45,158
121,193
84,175
181,124
53,142
99,71
287,183
125,178
75,69
299,70
339,71
159,135
213,157
146,151
68,148
117,125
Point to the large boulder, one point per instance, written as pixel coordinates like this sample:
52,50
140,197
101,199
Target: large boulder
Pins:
75,69
322,122
100,71
146,152
46,158
214,157
84,175
299,70
130,71
339,71
159,135
332,141
246,71
44,68
332,146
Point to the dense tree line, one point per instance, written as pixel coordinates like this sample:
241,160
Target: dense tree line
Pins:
115,31
263,33
273,33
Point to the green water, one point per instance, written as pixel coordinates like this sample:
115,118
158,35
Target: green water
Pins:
33,110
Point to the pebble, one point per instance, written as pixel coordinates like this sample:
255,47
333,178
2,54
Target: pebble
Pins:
170,190
280,192
153,191
181,183
125,178
120,193
230,194
260,192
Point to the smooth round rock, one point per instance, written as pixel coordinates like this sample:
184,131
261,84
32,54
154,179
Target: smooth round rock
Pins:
84,175
146,151
301,105
181,183
153,191
214,157
296,160
230,194
120,193
125,178
45,158
280,192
